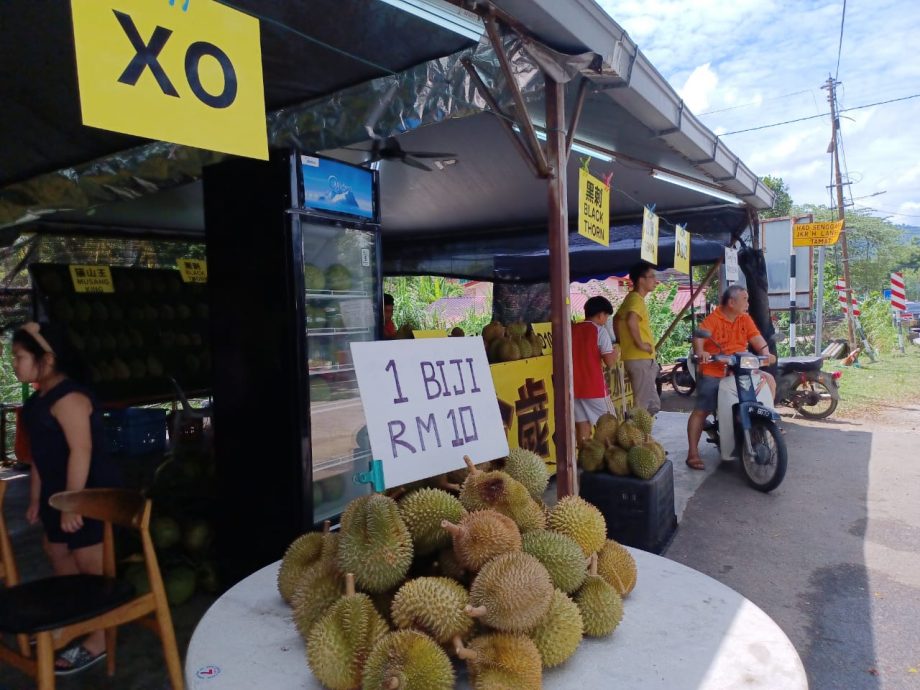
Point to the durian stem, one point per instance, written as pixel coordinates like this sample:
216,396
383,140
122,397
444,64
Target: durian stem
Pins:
451,527
396,494
470,464
475,611
442,483
327,525
349,584
463,652
392,683
592,566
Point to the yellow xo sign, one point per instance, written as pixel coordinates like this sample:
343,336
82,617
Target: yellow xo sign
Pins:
187,74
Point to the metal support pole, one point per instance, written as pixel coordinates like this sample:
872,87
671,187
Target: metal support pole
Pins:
558,224
792,334
819,305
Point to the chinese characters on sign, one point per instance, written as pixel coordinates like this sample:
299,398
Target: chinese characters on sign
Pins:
193,270
593,208
682,249
428,403
816,234
525,400
649,237
91,279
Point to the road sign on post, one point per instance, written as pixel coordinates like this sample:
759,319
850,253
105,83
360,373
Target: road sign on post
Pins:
898,304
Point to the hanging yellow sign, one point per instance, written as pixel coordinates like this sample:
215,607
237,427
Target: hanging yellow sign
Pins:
593,208
193,270
525,401
816,234
429,333
184,71
91,278
544,331
682,249
649,237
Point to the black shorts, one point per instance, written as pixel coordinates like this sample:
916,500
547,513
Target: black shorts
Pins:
707,393
88,535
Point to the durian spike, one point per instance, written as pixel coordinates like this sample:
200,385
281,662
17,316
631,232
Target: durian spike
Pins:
451,527
470,464
327,526
392,683
461,651
592,566
475,611
349,584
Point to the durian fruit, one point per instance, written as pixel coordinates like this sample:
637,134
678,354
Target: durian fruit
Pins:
529,469
318,587
559,632
560,555
523,345
605,429
517,328
482,535
617,565
536,345
499,661
657,449
300,555
512,592
493,331
643,462
508,350
574,517
617,461
456,332
423,511
433,605
591,455
407,660
448,565
498,491
340,642
375,543
600,606
642,419
629,434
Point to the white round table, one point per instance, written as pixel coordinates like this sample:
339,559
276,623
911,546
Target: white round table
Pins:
681,630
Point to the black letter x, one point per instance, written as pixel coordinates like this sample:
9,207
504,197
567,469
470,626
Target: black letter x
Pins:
146,55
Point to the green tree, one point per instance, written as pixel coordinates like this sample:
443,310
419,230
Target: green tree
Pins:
782,204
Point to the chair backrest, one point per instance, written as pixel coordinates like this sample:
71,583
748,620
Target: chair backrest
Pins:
123,507
8,572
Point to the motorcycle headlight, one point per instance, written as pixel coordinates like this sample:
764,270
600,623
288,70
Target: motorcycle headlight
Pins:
748,362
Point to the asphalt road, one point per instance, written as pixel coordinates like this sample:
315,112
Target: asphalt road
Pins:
833,554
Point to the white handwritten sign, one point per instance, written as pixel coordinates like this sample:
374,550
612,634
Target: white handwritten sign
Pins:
428,403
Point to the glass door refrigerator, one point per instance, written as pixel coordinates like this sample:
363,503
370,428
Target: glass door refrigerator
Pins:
294,279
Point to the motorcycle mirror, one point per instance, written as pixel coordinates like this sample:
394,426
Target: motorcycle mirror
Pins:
701,333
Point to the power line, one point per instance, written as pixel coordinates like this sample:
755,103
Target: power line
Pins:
812,117
747,105
840,44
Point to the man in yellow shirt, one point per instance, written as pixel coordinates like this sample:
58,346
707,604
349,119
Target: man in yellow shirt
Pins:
634,334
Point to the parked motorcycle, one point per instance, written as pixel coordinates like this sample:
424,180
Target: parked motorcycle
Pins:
745,420
801,385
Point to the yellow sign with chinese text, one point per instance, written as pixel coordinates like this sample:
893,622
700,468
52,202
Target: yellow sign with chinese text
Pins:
682,249
525,401
188,72
193,270
544,331
593,208
91,278
816,234
649,237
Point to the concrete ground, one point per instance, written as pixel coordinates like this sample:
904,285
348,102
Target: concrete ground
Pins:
831,555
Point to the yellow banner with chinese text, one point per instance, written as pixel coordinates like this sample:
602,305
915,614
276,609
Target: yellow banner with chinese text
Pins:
193,270
593,208
682,249
525,400
91,278
649,237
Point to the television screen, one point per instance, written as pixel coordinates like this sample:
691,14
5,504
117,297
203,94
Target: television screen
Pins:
336,187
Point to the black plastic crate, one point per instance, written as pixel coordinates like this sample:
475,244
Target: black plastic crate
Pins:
639,512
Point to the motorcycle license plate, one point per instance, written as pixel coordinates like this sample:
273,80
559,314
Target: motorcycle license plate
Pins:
762,412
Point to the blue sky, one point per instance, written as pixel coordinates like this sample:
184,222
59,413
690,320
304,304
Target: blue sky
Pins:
746,63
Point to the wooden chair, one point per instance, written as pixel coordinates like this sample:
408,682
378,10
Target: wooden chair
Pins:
56,610
8,572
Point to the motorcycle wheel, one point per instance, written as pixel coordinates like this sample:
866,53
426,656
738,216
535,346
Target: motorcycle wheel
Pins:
767,468
825,406
681,380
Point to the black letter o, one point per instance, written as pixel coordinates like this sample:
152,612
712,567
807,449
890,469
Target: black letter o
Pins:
193,56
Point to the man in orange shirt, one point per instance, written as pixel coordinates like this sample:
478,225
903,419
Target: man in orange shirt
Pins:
732,330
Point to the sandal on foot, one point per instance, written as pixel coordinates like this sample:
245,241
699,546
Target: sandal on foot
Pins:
78,658
696,464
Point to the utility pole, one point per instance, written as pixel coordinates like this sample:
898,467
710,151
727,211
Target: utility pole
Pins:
831,86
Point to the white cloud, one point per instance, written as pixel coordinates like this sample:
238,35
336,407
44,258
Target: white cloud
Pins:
748,63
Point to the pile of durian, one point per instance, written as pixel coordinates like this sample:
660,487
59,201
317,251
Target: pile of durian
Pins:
408,592
509,343
623,448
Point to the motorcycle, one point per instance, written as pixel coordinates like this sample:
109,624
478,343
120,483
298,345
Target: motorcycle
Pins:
745,423
801,385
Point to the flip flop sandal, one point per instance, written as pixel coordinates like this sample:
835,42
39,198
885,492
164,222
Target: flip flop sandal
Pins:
79,659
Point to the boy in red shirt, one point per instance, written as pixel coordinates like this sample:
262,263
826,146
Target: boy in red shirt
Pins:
591,345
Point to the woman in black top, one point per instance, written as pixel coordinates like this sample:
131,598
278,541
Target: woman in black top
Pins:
68,454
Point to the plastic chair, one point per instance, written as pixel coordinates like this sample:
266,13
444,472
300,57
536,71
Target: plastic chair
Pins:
184,414
56,610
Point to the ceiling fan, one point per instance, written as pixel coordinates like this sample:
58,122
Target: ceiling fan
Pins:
388,148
